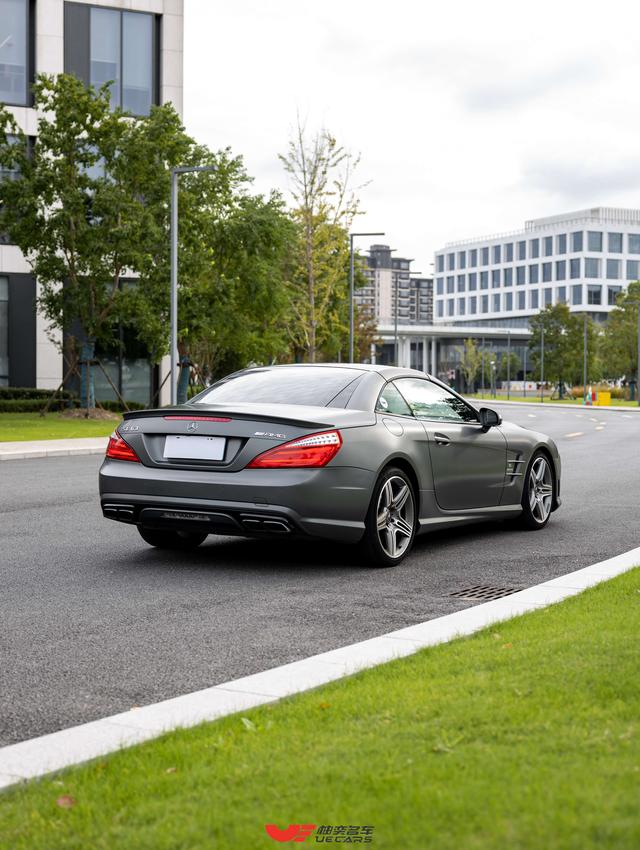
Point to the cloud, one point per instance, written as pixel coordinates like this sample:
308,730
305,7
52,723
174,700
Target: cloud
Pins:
578,181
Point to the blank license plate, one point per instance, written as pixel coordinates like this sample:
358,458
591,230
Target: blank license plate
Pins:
194,448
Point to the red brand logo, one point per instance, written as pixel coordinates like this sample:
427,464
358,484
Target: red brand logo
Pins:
294,832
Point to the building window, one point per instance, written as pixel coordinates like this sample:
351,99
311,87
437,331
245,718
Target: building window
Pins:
562,295
615,243
632,269
462,259
548,296
561,270
121,51
548,246
574,268
14,52
576,293
439,286
546,272
508,252
495,278
485,303
533,299
521,301
473,259
522,250
472,304
497,254
591,267
594,294
508,301
594,240
534,248
634,243
534,273
613,269
473,281
461,282
485,256
440,262
520,275
461,306
450,284
4,332
440,309
508,277
561,243
451,262
576,241
496,302
612,295
450,306
484,280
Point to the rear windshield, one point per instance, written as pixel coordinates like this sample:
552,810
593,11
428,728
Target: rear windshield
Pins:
315,385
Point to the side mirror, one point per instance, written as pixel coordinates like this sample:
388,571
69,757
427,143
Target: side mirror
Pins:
488,417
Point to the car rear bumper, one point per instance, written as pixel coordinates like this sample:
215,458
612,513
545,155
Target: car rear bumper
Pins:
328,503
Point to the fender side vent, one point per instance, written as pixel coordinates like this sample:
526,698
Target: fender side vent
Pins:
484,592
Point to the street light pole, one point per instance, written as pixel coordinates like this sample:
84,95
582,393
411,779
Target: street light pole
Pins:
173,347
351,290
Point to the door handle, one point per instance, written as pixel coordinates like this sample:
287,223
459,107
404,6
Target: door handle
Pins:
441,439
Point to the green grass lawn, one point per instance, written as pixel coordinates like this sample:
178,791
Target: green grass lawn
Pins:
615,402
526,735
32,426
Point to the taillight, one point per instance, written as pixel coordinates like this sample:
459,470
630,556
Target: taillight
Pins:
118,449
314,450
200,418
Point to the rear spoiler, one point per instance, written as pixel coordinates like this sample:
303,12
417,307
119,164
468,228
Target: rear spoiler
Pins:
205,410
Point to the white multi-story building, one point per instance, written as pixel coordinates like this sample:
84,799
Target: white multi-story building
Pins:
138,45
583,259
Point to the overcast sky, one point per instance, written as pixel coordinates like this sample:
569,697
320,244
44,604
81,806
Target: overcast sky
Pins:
470,117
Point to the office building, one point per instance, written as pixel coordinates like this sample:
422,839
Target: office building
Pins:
137,44
584,259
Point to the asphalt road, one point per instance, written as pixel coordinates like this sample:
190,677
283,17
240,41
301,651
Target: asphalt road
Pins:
93,621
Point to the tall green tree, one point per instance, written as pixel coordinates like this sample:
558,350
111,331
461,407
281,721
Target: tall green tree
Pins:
619,352
563,345
470,362
324,206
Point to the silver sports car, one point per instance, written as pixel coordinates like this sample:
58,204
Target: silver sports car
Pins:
369,455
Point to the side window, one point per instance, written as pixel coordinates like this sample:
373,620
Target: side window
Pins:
390,401
430,401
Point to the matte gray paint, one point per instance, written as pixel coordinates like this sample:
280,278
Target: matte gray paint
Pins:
471,481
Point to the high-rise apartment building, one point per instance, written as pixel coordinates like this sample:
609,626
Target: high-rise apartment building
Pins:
584,259
389,278
136,44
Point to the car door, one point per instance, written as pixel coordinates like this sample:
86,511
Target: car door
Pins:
467,460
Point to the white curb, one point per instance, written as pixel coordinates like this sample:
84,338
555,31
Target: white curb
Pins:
23,449
38,756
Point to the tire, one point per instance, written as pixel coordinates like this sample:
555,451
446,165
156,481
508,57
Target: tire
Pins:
171,539
537,493
391,522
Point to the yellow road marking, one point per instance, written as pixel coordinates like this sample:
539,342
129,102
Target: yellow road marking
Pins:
599,427
575,434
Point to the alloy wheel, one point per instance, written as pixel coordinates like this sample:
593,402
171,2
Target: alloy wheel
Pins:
395,516
540,489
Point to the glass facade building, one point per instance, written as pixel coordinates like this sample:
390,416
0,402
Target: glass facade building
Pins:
597,249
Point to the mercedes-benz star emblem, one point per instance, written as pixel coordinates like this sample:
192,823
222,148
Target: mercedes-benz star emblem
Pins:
192,426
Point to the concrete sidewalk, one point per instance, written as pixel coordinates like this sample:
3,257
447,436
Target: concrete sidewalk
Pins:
22,449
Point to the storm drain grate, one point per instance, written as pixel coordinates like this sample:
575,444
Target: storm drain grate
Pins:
484,592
